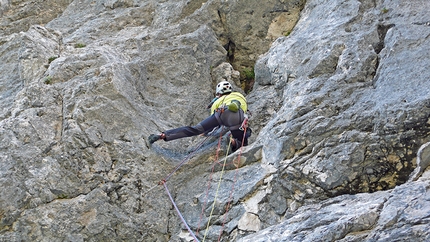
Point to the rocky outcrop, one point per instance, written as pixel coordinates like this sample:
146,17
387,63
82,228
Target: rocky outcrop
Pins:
379,216
340,118
17,16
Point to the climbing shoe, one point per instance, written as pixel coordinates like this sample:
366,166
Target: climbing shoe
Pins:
234,106
153,137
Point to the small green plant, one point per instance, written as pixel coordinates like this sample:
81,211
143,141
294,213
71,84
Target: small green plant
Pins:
48,80
79,45
287,33
249,73
51,59
62,196
384,10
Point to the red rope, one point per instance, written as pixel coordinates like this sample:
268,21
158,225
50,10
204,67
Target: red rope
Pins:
209,182
233,185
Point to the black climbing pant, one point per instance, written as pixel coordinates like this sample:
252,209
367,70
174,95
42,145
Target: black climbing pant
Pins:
231,120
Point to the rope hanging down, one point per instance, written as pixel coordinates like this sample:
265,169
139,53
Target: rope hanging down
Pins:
163,182
234,182
209,181
179,213
216,194
244,125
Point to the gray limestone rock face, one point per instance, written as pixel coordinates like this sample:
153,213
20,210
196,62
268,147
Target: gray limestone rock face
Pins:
350,121
339,101
17,16
380,216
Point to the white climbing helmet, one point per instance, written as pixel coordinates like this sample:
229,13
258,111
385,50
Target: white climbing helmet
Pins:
223,87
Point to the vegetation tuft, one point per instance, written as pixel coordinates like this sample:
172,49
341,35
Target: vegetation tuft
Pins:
48,80
79,45
51,59
248,73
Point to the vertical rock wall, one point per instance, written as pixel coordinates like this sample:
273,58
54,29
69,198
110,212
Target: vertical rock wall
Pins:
340,109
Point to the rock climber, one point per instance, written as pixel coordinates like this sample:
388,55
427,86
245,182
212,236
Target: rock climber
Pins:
228,109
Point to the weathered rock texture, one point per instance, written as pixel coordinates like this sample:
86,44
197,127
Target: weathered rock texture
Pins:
340,104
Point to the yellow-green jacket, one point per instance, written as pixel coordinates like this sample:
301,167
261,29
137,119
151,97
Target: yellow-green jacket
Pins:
227,99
